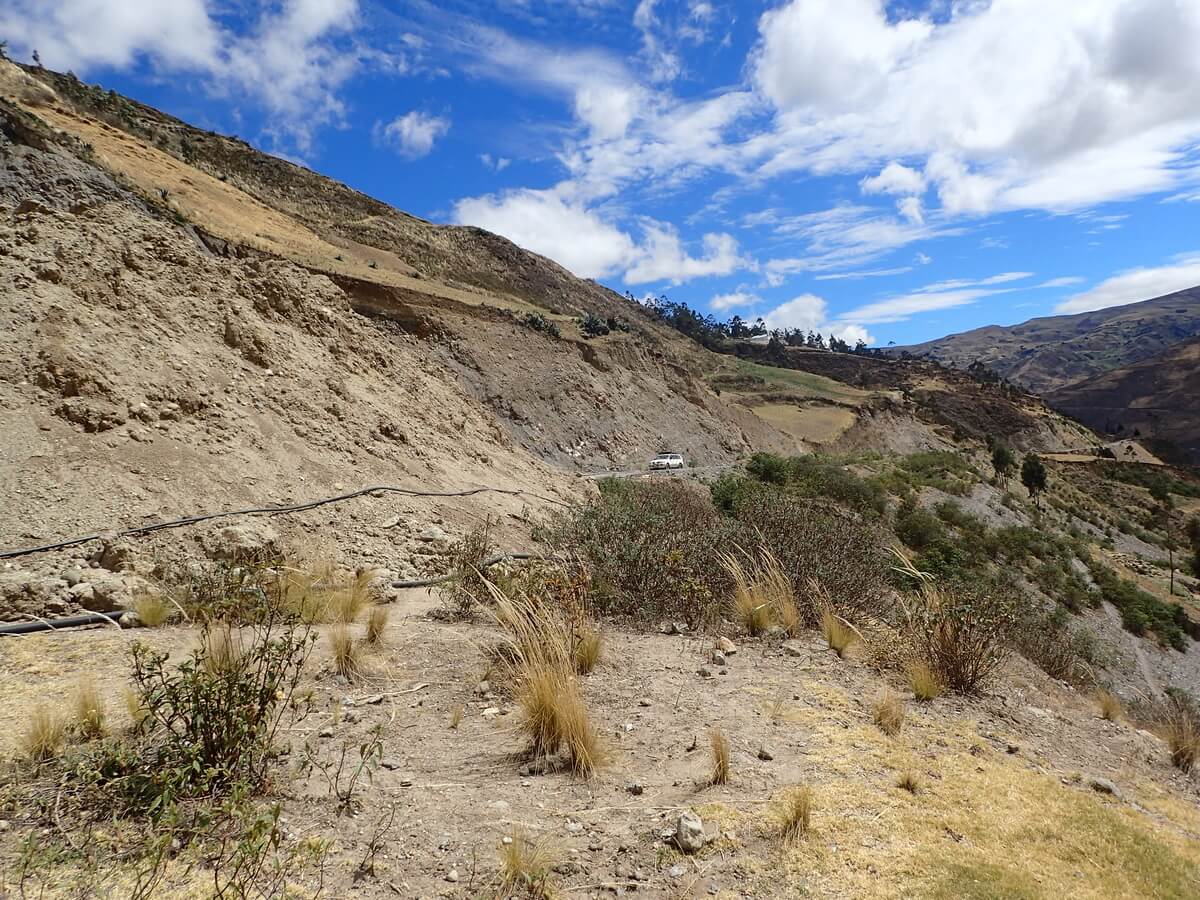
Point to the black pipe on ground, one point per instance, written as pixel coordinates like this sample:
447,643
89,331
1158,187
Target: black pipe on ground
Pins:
56,624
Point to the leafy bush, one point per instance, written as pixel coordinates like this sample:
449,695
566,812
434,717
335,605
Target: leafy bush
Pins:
653,551
1060,650
918,527
591,325
538,322
818,476
1142,611
768,468
817,542
962,633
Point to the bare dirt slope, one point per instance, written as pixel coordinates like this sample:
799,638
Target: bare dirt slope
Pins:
171,344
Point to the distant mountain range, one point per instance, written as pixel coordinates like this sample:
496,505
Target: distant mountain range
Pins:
1116,370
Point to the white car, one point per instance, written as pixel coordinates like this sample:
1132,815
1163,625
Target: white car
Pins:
667,461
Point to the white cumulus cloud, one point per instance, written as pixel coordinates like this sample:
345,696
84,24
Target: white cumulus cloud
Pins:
1136,284
414,133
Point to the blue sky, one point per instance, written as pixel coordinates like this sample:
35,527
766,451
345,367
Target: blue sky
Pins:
895,171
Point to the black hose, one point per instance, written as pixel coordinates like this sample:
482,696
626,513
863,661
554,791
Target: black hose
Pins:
267,510
55,624
482,564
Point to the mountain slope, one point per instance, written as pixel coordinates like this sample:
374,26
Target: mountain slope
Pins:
1048,353
1156,397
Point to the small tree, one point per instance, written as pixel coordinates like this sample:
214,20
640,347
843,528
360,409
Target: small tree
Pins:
1192,530
1160,490
1003,462
1033,476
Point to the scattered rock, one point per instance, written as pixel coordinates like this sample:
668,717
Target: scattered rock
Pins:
689,832
1104,786
704,672
793,648
717,658
726,646
452,876
673,628
73,577
574,827
390,763
130,619
635,788
676,871
243,542
644,701
764,754
435,537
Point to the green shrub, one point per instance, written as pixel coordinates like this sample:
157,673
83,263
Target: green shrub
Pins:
768,468
816,541
1064,652
538,322
962,632
591,325
918,527
1141,611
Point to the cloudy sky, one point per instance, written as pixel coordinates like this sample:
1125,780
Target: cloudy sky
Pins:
888,170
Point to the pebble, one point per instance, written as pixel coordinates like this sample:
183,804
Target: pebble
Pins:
717,658
676,871
635,788
764,754
704,672
452,875
689,832
644,701
726,646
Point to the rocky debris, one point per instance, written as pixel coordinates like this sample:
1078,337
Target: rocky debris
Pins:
726,646
1104,786
635,788
717,658
764,754
690,834
243,542
794,648
673,628
435,538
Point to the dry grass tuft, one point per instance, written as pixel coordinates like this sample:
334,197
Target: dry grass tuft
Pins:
89,711
923,681
762,593
540,663
456,716
313,588
889,713
911,782
152,610
135,707
347,653
839,634
377,621
793,810
1178,723
721,756
44,736
1111,708
526,865
589,647
222,648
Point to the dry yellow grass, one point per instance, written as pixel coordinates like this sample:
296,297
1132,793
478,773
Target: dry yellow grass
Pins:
135,708
44,735
1179,727
721,756
456,716
1110,705
838,633
347,652
89,711
222,649
152,610
888,712
526,864
377,620
923,681
793,810
910,781
540,664
762,593
589,647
